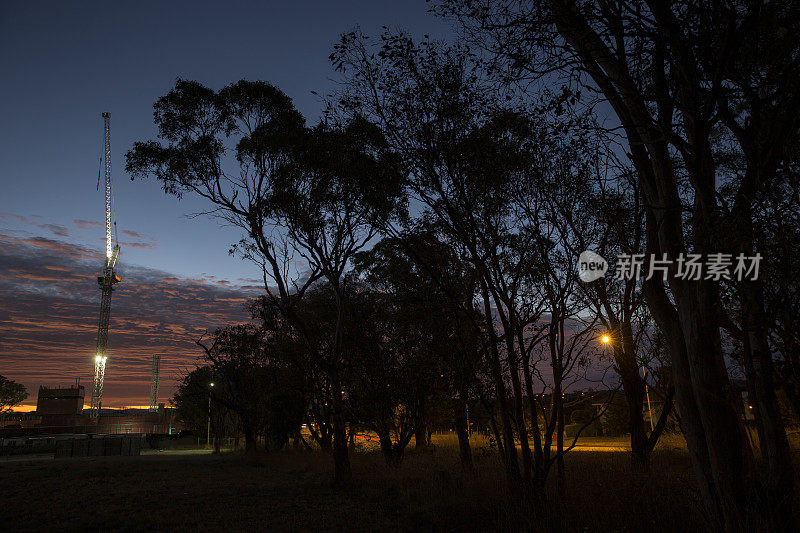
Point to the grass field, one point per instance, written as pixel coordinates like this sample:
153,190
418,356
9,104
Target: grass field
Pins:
290,491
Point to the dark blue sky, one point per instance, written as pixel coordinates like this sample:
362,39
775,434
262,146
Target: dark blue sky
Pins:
63,63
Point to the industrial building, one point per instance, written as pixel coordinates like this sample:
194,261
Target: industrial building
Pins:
60,400
109,422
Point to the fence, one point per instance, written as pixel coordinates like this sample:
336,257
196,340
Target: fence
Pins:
98,446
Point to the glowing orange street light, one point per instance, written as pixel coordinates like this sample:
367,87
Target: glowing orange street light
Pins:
606,339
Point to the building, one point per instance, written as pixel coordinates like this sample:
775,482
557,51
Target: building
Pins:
110,422
60,401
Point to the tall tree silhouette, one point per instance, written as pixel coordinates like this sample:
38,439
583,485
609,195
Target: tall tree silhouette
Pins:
306,198
675,75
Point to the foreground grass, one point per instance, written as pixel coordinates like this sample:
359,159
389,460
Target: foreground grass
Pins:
290,491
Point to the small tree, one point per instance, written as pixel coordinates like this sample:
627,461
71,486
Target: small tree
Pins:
11,394
265,395
195,407
433,292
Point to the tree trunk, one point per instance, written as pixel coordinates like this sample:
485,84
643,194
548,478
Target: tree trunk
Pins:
250,445
792,391
728,451
790,370
420,433
462,431
341,453
507,446
392,453
510,326
324,437
633,387
706,400
694,433
561,474
386,446
778,484
341,457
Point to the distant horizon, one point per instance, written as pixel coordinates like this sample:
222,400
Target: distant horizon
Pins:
26,408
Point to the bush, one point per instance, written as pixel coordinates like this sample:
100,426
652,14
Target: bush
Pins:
581,416
616,419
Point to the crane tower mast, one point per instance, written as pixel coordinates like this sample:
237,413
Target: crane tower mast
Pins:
106,281
156,368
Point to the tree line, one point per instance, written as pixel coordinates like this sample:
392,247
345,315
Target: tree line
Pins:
419,244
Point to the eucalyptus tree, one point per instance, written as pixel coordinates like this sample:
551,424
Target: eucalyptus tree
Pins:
194,406
384,375
265,394
672,75
289,349
236,359
432,293
569,329
302,196
432,115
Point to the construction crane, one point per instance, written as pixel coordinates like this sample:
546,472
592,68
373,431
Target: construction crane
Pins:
106,281
154,382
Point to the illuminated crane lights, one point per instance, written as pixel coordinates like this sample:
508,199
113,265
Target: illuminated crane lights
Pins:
106,281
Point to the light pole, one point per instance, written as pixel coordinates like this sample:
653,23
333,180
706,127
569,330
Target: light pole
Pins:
208,431
647,394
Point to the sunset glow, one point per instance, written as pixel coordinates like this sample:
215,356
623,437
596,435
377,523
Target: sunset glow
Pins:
49,295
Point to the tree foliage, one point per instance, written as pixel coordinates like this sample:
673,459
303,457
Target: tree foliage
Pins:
11,394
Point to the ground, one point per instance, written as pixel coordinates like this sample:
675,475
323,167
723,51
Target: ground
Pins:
291,491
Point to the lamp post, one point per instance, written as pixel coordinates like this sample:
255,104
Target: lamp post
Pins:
208,431
606,339
647,394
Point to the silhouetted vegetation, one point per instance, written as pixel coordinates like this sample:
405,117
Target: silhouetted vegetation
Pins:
419,246
11,394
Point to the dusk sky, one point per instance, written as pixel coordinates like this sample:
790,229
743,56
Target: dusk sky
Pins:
62,65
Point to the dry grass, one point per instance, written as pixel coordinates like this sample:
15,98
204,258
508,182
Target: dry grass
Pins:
290,491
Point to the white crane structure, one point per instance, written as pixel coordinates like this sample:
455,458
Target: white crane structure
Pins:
106,281
156,368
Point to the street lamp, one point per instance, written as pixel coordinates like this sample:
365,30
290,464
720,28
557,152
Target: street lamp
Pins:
606,339
208,431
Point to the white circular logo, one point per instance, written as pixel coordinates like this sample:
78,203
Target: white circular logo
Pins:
591,266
